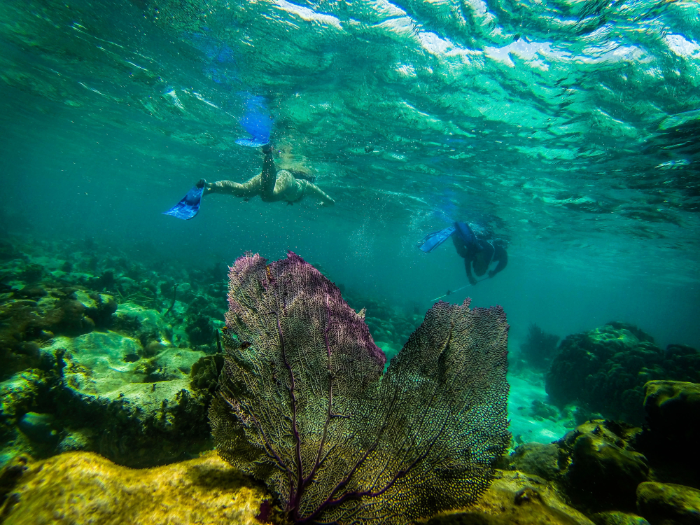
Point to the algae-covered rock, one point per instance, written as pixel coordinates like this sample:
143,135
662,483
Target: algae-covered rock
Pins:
673,411
83,488
20,327
615,517
604,469
514,497
137,412
19,395
21,392
143,324
9,475
668,504
125,395
205,373
98,306
673,433
74,440
538,459
31,316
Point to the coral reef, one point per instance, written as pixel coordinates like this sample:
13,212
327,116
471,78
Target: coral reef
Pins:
302,405
596,465
605,369
135,415
88,360
101,353
83,488
619,474
142,410
30,318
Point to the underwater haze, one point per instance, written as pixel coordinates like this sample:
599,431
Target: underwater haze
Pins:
565,134
571,128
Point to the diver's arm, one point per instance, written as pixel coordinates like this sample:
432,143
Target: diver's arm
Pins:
500,255
468,268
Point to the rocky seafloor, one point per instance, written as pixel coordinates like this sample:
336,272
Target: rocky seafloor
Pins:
108,366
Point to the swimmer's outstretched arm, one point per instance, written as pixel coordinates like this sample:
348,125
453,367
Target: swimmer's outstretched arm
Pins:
314,191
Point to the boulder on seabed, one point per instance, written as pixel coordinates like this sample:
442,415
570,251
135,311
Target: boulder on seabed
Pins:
673,417
603,468
538,459
668,503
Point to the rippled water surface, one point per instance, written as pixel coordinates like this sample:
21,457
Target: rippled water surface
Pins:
570,127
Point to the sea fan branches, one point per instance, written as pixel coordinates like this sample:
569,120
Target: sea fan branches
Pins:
304,407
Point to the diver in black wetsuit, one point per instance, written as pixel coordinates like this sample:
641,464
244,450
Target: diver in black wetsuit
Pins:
480,250
475,244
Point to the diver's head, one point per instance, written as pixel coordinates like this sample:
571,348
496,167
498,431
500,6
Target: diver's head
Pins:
481,264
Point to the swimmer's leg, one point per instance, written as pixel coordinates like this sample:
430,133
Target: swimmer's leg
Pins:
247,189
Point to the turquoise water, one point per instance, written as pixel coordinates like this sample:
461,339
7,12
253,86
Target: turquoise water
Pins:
571,126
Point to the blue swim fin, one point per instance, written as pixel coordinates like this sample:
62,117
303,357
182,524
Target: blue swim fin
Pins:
435,239
257,121
188,207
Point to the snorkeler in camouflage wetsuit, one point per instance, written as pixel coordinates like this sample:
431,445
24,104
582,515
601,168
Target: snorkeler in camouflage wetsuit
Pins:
271,185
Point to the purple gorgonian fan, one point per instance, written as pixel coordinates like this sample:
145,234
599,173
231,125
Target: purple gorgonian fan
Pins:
303,404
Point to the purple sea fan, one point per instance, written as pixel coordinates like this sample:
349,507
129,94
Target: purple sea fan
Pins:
304,407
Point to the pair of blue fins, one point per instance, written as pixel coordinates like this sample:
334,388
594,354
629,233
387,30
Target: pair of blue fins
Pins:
257,122
188,207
